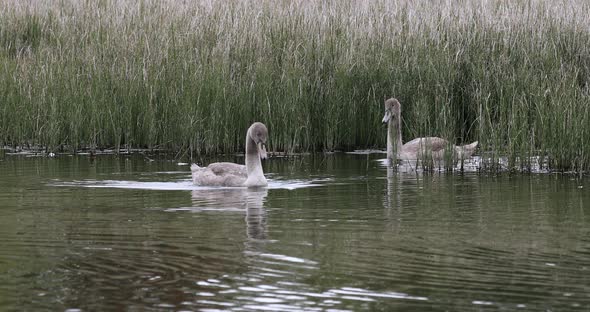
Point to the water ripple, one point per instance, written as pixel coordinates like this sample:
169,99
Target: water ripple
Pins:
131,236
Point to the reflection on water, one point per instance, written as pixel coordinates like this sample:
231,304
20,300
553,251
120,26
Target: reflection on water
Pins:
535,164
250,201
332,233
472,164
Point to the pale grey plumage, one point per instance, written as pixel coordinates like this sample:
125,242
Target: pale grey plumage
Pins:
420,147
230,174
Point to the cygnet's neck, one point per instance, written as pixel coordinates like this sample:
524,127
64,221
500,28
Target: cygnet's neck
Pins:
394,138
253,164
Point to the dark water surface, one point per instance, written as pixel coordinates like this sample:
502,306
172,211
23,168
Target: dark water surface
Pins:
331,233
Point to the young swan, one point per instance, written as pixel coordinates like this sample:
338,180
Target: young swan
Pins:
416,148
230,174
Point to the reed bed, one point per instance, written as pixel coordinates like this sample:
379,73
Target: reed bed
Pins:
192,75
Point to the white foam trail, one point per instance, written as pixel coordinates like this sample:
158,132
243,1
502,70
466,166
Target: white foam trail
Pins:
180,185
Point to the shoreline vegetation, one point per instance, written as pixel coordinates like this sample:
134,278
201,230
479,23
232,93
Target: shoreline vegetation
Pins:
190,76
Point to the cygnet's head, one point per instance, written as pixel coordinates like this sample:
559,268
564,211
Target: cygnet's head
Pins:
258,133
392,109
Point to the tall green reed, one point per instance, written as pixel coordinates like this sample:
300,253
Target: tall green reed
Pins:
193,76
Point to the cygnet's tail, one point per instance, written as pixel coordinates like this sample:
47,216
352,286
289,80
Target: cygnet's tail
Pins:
471,147
196,172
465,151
468,149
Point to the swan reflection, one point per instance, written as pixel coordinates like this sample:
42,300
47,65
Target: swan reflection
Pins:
251,201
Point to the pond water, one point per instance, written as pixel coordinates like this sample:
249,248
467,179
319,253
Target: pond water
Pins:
331,233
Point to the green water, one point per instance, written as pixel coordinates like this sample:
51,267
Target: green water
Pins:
331,233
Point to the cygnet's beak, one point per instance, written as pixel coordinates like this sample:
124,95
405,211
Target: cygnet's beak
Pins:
261,150
386,117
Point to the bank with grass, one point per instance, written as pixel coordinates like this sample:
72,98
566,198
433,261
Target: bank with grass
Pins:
193,75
